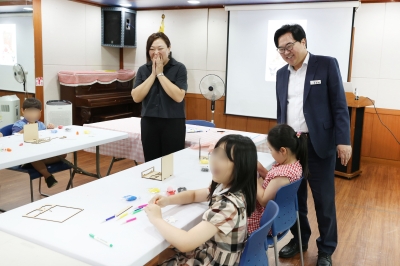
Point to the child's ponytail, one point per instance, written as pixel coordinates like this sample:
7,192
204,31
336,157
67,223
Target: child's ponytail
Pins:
284,136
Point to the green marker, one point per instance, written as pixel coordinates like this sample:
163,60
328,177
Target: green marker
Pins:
136,211
101,240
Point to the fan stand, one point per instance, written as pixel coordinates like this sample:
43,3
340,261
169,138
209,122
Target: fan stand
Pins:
212,111
23,72
212,104
25,90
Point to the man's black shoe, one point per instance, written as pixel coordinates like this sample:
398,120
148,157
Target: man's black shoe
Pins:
324,259
291,249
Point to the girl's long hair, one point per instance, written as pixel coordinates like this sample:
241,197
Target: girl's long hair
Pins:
243,153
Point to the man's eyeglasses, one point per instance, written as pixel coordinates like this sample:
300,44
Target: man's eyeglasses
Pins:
288,47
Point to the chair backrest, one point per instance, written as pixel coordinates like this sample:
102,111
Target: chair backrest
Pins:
200,123
6,130
254,252
286,198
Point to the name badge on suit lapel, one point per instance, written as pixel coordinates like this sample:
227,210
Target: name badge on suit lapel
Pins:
315,82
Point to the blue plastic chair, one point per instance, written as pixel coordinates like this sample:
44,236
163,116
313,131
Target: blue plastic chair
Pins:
7,130
200,123
286,198
254,252
33,174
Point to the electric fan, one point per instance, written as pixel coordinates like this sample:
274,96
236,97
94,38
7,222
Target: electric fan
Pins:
19,75
212,87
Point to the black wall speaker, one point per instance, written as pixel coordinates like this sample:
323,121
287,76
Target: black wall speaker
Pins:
118,27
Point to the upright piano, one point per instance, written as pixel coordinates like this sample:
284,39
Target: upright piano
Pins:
99,95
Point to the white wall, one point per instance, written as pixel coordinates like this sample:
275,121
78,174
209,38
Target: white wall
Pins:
25,53
72,41
198,40
376,58
72,38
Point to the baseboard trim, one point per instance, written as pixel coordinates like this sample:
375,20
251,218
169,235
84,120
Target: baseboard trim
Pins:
380,161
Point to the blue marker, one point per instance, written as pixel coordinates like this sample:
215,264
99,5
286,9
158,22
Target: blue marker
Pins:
109,218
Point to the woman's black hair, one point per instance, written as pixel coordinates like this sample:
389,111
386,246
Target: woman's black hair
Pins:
284,136
297,31
243,153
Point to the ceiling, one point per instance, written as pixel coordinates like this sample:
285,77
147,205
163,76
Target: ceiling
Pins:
157,4
15,6
14,9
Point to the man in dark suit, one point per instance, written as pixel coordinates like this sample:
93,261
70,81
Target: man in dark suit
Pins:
311,99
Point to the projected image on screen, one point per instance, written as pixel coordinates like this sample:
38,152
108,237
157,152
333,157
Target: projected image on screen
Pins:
8,44
274,60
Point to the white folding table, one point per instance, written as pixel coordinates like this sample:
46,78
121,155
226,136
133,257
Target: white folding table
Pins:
22,153
18,252
135,243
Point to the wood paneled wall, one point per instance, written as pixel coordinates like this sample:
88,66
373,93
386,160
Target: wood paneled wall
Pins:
377,141
197,107
37,36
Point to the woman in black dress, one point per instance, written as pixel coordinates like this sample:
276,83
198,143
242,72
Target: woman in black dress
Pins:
160,86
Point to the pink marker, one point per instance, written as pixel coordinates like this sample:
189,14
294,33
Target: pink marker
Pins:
130,220
142,206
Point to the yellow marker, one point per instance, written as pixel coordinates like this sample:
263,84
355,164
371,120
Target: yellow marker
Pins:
86,131
122,215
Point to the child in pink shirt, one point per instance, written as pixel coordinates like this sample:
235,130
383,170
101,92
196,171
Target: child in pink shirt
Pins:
289,149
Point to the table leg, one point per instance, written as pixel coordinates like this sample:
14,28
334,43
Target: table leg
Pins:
71,178
112,163
98,161
76,168
72,174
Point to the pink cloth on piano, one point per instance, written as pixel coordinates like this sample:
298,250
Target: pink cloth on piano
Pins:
79,78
